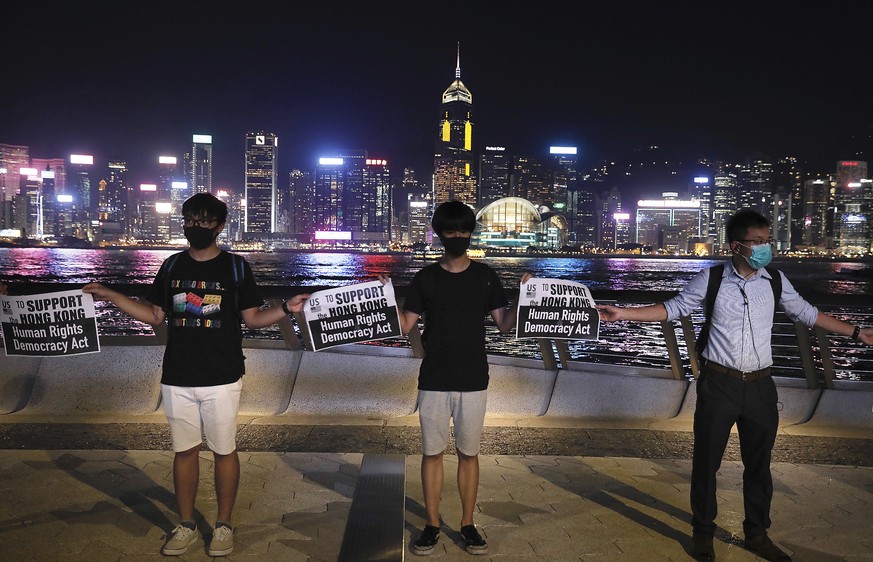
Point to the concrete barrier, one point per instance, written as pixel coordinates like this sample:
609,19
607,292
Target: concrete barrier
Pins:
844,411
518,388
620,399
17,376
354,386
371,384
118,380
269,381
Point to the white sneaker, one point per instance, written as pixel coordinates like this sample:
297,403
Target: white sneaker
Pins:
222,541
180,539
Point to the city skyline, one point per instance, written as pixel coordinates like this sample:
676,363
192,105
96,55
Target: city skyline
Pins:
723,83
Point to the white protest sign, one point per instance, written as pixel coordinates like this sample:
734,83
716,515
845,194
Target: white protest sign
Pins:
49,324
557,309
352,314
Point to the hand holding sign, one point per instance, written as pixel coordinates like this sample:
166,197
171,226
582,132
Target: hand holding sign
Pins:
352,314
557,309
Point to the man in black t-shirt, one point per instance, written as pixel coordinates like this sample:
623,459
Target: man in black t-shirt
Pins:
202,293
453,295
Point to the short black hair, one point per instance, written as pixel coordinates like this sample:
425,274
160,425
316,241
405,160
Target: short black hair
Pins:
738,225
206,205
453,215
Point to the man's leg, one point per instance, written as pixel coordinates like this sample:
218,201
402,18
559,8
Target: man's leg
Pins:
226,483
757,431
716,411
186,477
219,408
468,485
432,486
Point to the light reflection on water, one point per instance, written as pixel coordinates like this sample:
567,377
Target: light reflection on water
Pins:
622,343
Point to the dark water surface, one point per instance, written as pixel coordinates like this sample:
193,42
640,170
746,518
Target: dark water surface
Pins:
843,288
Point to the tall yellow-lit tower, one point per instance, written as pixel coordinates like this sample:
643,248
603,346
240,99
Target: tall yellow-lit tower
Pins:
453,155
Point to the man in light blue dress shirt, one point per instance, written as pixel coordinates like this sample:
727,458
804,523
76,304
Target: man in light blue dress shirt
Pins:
735,386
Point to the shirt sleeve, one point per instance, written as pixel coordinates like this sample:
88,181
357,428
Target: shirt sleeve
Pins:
249,293
796,307
414,301
157,293
690,298
496,294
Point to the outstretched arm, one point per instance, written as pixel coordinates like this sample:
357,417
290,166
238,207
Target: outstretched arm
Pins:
505,318
651,313
142,311
837,326
263,317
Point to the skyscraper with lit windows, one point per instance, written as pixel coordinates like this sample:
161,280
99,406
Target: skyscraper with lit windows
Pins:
453,156
494,168
200,164
261,155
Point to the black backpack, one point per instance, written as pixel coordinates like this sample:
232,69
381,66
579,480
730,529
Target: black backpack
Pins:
715,275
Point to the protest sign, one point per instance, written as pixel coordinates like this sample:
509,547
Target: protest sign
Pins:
352,314
557,309
49,324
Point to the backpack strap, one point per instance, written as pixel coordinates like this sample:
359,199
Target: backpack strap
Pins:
170,262
776,285
239,273
716,273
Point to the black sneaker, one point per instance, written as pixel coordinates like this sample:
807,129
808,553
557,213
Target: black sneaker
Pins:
474,542
701,546
428,539
764,547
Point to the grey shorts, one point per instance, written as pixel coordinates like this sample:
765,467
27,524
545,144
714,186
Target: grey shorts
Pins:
465,409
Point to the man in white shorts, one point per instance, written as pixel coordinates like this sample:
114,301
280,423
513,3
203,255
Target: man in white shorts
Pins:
202,293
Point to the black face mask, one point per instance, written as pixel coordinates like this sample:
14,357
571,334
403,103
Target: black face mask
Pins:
200,238
456,246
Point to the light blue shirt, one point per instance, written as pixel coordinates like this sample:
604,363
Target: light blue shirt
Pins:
742,316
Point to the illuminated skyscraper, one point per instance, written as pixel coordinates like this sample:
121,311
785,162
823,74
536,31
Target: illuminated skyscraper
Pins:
84,193
453,156
668,223
113,209
494,168
201,164
528,179
816,201
12,159
563,176
352,196
301,203
724,204
261,160
852,207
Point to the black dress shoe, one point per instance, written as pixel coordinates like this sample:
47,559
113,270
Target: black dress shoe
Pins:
764,547
701,547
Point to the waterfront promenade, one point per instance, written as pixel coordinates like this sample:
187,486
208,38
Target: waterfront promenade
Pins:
586,462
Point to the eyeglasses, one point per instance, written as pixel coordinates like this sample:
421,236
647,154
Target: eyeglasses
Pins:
203,223
759,242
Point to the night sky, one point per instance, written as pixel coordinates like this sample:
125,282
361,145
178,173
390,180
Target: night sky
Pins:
608,77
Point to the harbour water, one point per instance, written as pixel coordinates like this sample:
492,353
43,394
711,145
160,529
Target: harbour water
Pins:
838,287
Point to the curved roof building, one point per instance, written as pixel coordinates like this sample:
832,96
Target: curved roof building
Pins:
513,222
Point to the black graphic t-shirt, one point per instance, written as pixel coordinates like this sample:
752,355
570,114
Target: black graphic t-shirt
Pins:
202,303
454,306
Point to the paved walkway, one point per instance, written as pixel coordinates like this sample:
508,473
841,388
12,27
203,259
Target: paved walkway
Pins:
587,495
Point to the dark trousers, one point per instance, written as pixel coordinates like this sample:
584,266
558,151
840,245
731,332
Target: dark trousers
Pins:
723,401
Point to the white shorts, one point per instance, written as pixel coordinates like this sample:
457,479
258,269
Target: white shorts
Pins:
195,410
467,411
